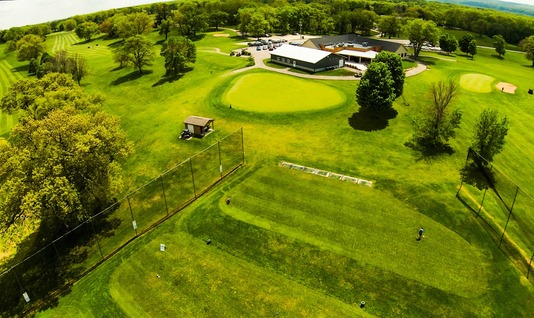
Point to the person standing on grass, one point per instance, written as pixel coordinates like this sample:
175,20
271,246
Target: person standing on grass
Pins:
421,230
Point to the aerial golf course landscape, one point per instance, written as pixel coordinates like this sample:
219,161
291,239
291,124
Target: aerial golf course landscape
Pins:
290,243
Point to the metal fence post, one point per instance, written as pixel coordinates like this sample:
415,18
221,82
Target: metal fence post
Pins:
482,203
164,197
193,176
509,215
131,213
242,146
220,159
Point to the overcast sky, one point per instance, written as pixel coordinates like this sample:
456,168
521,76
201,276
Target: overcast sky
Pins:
24,12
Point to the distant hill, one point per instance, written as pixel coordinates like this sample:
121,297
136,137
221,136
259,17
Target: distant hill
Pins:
517,8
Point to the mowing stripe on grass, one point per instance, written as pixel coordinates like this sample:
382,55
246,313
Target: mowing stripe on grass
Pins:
361,223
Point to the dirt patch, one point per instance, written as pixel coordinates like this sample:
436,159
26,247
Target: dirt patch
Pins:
506,87
219,35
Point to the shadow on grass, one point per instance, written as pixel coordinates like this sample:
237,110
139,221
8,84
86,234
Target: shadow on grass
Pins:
430,152
368,120
167,79
21,68
130,77
497,57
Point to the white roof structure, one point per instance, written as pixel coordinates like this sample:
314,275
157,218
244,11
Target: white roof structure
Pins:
301,53
368,54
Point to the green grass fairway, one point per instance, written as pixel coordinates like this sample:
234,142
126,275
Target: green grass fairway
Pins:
477,83
275,93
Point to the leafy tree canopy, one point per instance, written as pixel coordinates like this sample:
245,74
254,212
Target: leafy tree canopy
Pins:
376,89
490,131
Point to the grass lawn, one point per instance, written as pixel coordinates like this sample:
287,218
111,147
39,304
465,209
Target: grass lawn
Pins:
298,244
275,93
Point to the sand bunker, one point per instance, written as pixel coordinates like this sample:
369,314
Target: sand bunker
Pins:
506,87
218,35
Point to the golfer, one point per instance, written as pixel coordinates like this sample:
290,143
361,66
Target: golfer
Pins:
421,230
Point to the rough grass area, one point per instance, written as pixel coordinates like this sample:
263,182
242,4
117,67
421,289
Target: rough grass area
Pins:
477,83
275,93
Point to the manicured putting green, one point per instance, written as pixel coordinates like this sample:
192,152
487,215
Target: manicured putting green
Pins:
275,93
477,83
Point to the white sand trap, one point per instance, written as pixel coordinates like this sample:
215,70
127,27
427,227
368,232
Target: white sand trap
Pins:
218,35
506,87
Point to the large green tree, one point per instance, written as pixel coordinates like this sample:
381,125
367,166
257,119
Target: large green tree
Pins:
190,18
437,123
420,32
376,90
178,51
60,169
63,166
472,48
138,50
464,42
87,30
30,47
448,43
490,131
394,63
499,44
527,45
389,26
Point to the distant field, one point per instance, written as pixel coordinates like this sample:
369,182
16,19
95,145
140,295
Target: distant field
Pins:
273,93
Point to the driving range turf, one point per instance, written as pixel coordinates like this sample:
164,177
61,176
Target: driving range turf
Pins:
298,244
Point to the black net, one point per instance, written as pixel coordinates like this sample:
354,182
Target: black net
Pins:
205,169
148,204
231,151
178,186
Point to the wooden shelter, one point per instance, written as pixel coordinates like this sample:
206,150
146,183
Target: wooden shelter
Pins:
199,126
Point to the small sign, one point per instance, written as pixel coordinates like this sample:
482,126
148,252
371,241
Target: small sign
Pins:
26,297
220,168
134,224
162,247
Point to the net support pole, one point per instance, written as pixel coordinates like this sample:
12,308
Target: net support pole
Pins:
466,160
482,203
509,215
243,145
17,278
131,213
530,265
220,159
193,176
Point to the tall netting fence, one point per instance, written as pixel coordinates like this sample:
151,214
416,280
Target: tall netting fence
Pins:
29,282
503,209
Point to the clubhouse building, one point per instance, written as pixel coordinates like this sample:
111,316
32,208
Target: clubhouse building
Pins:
330,52
306,59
